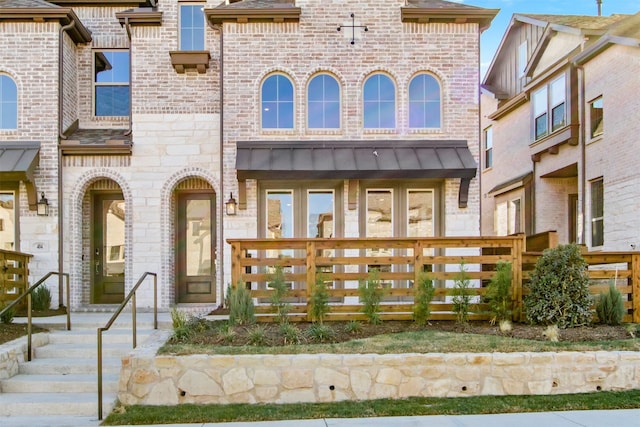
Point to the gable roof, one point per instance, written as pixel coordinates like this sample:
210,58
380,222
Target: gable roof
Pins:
573,24
625,32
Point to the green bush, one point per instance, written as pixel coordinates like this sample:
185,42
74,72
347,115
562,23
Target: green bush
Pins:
278,297
181,328
559,289
7,316
41,299
422,300
241,308
371,293
498,294
462,296
610,307
321,333
319,300
257,335
291,334
352,327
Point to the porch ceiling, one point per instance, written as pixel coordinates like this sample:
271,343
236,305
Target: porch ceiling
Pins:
379,159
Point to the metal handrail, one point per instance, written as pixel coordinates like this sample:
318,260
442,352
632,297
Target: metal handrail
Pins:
27,294
131,296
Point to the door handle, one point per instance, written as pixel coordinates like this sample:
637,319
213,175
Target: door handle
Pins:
97,267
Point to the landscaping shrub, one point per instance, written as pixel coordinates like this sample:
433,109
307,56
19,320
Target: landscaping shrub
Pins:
320,333
291,334
462,296
371,293
423,297
7,316
258,335
610,307
559,289
319,300
498,294
41,299
278,296
180,323
353,327
241,308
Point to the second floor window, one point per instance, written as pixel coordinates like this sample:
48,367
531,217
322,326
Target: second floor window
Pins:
379,103
277,102
111,82
597,212
8,103
424,102
596,116
549,112
323,98
488,147
191,27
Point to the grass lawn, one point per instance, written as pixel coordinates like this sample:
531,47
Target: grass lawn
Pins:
190,413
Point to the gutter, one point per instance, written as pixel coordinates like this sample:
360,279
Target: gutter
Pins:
218,28
61,135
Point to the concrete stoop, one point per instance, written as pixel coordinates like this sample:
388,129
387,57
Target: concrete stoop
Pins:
60,385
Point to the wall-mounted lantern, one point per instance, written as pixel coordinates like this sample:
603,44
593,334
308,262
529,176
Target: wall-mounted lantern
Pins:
231,205
43,206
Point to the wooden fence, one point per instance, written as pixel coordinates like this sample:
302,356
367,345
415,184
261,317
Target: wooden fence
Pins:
343,263
14,275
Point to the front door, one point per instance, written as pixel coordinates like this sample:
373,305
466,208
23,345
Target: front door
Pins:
107,248
195,248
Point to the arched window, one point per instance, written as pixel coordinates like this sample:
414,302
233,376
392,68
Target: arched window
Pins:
379,102
8,103
424,102
277,102
323,99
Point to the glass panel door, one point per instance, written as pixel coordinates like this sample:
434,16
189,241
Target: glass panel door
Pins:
108,248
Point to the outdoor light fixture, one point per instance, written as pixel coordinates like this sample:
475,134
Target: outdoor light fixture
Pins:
43,206
231,205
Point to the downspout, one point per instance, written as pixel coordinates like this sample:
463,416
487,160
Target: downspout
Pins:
128,28
61,135
218,28
583,154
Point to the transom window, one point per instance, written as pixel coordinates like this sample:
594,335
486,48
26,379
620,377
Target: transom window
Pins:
111,82
191,27
277,102
424,102
8,103
379,102
550,98
323,98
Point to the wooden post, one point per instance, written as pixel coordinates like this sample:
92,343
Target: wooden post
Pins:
635,287
311,275
516,278
418,264
236,263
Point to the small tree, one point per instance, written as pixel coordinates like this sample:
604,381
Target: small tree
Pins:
498,294
423,297
278,297
559,289
241,307
462,296
610,307
319,300
371,293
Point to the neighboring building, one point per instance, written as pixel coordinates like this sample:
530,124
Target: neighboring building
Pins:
560,129
138,121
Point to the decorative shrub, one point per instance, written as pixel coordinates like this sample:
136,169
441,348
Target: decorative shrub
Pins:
319,300
423,297
559,289
371,293
241,308
321,333
278,297
41,299
610,307
7,316
182,331
498,294
462,296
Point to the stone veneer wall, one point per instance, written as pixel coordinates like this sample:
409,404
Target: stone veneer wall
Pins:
150,379
13,353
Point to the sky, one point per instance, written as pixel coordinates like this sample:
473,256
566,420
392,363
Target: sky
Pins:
490,39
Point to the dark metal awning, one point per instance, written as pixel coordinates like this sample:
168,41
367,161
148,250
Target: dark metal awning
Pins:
18,161
377,159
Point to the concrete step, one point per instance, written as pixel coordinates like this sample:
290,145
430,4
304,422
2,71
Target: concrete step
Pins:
71,383
110,365
81,351
83,336
77,404
49,421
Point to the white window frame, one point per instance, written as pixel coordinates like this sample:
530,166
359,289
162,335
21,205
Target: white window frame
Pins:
487,136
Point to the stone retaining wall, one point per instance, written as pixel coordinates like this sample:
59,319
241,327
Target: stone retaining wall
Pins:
15,352
149,379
